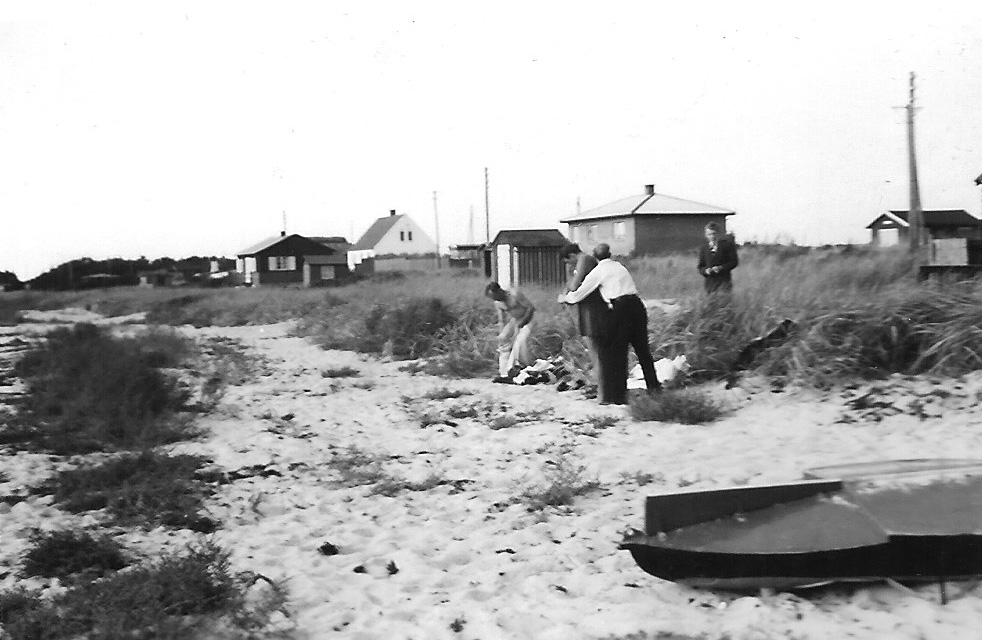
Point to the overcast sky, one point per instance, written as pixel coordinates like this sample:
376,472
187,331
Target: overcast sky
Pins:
191,129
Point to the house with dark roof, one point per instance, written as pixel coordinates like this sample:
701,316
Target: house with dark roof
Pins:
295,260
893,227
528,256
647,223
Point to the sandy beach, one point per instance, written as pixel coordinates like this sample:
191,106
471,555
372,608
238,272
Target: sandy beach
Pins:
465,558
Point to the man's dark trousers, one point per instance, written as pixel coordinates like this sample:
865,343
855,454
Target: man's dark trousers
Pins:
629,327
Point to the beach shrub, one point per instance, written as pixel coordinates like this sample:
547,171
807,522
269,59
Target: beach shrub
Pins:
340,372
682,406
565,480
149,489
89,391
191,595
60,554
445,393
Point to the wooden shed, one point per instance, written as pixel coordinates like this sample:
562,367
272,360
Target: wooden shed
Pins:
892,228
528,256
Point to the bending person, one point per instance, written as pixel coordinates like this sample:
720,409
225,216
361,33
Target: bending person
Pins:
515,317
629,325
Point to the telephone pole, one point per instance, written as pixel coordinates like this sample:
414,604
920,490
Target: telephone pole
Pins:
436,222
915,215
487,210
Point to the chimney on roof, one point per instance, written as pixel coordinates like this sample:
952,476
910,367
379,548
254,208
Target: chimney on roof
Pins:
649,189
283,233
392,212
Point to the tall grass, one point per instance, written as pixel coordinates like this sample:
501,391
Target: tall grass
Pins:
858,311
90,391
185,596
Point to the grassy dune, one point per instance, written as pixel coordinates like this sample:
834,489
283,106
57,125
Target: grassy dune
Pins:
859,313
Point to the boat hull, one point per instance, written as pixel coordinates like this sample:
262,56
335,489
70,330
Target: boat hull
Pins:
908,520
904,558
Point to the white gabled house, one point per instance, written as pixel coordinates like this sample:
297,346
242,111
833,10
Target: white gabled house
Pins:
393,235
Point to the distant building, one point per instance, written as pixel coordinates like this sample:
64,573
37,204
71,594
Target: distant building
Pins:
471,256
528,256
648,223
892,228
295,259
393,235
161,278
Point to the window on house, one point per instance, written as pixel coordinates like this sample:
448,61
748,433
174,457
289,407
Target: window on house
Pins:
402,236
592,232
574,234
409,234
282,263
620,230
327,272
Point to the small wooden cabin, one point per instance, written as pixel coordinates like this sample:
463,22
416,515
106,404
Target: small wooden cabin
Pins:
294,260
893,228
528,256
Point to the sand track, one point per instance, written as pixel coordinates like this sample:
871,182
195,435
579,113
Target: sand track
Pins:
471,562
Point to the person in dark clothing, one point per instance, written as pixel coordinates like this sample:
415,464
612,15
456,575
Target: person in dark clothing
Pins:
717,258
593,314
629,325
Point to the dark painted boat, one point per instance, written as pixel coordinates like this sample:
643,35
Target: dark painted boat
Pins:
909,520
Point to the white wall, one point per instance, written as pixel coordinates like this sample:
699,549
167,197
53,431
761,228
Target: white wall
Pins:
393,243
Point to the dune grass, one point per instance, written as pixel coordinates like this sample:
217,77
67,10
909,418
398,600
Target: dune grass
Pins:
149,489
189,595
565,480
65,554
90,391
859,312
682,406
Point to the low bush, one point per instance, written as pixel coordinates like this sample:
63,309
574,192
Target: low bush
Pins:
193,595
445,393
356,467
683,406
565,480
340,372
60,554
89,391
148,489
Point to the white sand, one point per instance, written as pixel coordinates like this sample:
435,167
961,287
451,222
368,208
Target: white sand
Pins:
468,552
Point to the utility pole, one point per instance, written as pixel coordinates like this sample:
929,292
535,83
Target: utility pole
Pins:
436,222
487,210
915,215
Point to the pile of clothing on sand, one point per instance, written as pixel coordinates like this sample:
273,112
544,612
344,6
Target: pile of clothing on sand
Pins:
568,377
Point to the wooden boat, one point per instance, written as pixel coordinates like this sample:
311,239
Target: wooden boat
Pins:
909,520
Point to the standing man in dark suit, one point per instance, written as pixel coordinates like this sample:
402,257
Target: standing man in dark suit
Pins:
629,325
717,258
592,312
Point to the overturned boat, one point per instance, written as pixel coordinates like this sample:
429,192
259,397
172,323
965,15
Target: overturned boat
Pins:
908,520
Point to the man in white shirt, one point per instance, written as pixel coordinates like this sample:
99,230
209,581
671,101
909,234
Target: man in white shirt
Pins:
629,325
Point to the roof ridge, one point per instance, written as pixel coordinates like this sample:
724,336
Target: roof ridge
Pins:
647,196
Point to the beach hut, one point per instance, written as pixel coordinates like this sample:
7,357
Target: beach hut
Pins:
892,228
528,256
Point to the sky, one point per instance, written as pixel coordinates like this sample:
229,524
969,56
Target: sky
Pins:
177,129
